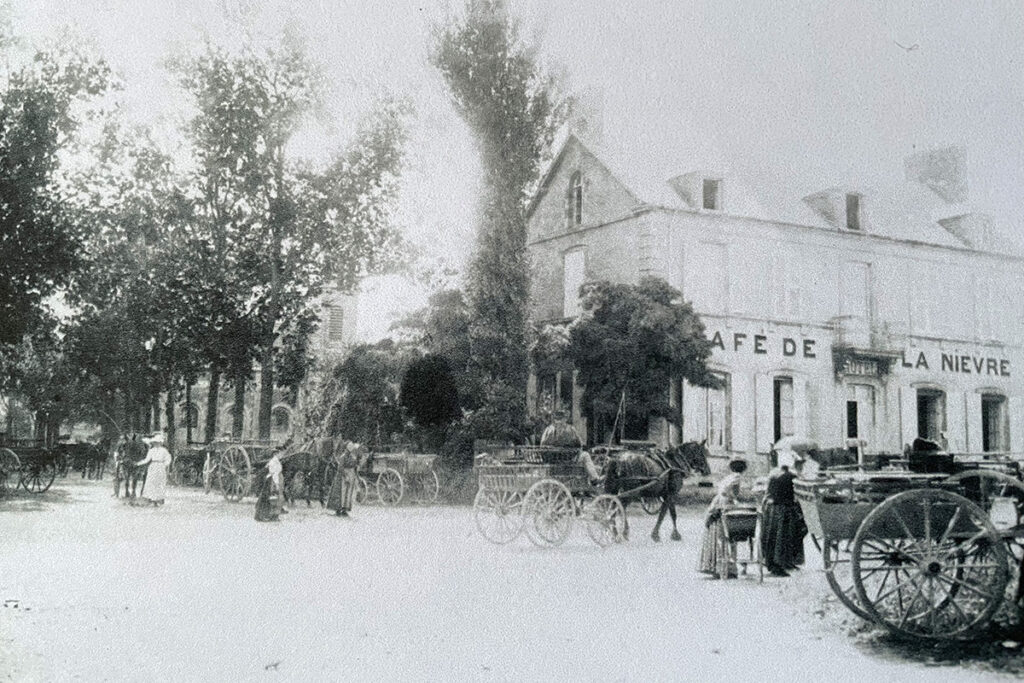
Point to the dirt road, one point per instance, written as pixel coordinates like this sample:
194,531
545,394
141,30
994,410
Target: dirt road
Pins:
93,589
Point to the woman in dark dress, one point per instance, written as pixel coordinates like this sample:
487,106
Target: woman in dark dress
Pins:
782,542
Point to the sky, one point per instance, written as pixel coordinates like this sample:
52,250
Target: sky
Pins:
791,96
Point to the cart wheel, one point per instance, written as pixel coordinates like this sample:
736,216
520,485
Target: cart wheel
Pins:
362,491
998,494
498,514
606,520
425,487
928,563
390,487
234,473
548,511
839,573
10,465
38,477
651,504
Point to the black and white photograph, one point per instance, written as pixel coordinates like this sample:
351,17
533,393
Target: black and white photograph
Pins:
511,340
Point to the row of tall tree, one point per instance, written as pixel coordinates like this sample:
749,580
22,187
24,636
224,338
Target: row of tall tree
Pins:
211,260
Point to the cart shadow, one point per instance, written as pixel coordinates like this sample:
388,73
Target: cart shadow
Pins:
1000,649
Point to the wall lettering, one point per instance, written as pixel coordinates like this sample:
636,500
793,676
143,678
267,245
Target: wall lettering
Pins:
764,345
962,363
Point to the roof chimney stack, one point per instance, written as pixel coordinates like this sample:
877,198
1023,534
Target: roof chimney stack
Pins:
943,171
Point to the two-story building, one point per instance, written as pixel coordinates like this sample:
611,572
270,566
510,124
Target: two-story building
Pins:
850,314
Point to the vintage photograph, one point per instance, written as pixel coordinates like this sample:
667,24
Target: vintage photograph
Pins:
511,340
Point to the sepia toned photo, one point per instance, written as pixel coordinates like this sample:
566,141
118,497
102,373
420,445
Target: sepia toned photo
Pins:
511,340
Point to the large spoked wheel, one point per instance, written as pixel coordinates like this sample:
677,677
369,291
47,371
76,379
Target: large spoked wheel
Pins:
10,465
839,573
37,477
606,520
235,473
498,514
390,487
929,564
548,511
425,487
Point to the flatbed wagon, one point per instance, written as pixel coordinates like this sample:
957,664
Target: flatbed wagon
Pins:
932,551
27,463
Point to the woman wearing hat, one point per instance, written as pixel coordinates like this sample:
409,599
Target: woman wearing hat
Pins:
728,494
158,458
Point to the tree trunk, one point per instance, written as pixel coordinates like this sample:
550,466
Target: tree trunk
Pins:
238,409
154,410
169,412
39,427
211,405
266,389
188,412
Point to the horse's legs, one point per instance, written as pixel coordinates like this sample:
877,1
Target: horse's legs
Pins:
670,500
655,536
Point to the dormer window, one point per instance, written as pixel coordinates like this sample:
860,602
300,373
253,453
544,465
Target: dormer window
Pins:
853,209
712,194
575,200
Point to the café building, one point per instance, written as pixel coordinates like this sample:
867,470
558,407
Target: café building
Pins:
850,313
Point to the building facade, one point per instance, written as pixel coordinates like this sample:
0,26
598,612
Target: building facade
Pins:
858,315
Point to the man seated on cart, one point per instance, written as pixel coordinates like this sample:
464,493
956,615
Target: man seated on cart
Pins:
561,434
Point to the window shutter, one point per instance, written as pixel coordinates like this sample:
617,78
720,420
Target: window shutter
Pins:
973,410
800,425
908,415
1016,405
764,417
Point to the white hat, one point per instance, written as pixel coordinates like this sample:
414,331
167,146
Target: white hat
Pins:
352,446
156,438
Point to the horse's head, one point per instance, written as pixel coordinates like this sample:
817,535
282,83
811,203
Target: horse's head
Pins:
691,456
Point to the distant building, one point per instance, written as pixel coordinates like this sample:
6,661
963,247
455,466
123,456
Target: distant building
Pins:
852,314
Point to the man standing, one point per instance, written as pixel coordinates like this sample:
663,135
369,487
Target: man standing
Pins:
275,472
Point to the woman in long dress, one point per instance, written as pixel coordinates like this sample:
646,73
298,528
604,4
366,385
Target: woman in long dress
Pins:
158,458
782,542
728,494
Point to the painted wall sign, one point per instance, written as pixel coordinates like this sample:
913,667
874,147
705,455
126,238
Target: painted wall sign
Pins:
960,363
761,344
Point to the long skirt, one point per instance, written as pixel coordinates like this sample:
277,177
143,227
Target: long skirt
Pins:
711,552
266,511
155,488
343,489
782,541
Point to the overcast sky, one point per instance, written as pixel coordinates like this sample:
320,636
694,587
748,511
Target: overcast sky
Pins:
791,96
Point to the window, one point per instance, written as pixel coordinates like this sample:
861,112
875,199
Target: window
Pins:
782,396
573,276
856,290
719,415
860,412
853,217
994,426
335,324
931,414
712,194
574,200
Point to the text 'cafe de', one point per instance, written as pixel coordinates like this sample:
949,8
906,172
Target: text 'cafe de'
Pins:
849,314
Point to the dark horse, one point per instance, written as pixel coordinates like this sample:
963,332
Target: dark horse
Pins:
130,449
664,471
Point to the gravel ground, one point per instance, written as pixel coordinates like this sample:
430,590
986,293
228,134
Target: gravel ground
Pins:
93,589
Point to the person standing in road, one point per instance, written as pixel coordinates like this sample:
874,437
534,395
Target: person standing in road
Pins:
343,488
728,494
782,543
158,458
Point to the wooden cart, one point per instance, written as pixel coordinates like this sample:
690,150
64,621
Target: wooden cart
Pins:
392,478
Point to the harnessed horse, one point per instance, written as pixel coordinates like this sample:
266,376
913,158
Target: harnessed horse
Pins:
632,474
129,450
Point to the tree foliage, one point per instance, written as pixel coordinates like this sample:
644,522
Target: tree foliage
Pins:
513,110
636,339
429,392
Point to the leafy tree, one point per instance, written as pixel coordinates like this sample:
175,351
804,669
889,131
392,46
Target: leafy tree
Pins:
430,395
636,339
39,244
282,228
513,110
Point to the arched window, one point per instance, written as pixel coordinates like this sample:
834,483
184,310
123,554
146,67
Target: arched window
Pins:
575,200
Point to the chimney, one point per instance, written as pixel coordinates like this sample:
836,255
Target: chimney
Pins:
973,229
943,171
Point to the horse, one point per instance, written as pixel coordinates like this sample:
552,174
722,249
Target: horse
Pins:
129,450
629,469
309,467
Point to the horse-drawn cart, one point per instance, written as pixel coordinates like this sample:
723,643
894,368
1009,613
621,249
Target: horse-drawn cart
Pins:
541,491
393,477
231,466
34,465
924,553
